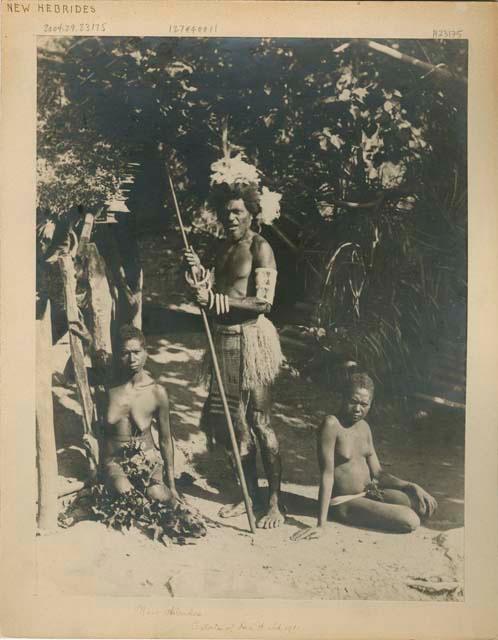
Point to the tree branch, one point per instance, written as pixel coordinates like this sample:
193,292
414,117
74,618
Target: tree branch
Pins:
438,70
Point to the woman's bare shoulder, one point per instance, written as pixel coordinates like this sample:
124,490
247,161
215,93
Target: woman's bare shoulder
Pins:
159,388
368,430
330,424
160,392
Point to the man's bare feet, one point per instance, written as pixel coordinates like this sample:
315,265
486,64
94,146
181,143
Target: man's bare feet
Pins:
272,519
232,510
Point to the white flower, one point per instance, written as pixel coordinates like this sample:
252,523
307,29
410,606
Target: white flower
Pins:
270,206
233,171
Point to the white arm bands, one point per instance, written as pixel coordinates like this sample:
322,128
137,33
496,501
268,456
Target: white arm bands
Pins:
266,280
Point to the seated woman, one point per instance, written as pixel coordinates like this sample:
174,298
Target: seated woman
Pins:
362,493
134,400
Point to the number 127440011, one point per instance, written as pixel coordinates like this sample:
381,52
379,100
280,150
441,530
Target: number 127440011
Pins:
193,28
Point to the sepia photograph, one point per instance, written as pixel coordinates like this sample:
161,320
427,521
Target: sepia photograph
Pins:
251,316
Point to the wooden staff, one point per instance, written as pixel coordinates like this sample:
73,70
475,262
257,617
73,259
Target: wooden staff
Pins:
216,367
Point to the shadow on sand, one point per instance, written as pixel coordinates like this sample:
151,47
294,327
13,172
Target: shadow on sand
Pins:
430,452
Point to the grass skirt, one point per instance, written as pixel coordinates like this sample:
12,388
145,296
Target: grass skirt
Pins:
259,356
249,356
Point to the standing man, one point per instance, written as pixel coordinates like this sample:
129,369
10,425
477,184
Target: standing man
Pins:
238,294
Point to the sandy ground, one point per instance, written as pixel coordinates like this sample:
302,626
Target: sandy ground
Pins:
347,563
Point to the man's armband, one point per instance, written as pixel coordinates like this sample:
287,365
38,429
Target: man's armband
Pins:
219,301
266,280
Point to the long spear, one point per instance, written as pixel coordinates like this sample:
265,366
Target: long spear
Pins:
216,367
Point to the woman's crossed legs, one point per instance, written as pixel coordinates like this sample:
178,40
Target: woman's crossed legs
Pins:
396,514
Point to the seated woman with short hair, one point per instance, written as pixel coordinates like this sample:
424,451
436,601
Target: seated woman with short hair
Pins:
353,486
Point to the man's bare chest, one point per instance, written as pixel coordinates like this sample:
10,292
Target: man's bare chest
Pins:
234,266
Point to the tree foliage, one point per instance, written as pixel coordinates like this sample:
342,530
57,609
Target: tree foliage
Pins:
313,117
365,149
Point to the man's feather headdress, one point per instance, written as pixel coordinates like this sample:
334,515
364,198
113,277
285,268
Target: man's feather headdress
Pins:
236,171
